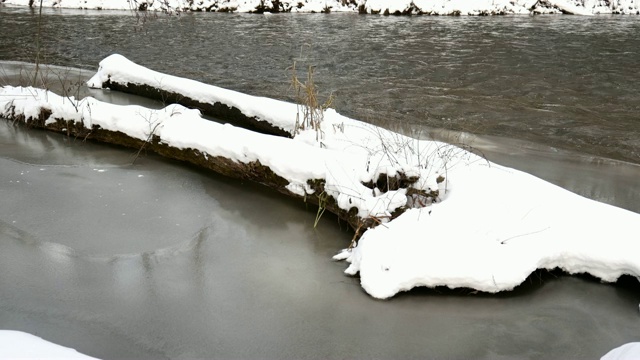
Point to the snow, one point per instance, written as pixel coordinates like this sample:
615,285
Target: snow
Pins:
117,68
434,7
489,229
296,160
496,226
568,7
630,351
20,345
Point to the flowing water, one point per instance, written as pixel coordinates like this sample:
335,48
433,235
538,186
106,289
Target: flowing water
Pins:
160,260
564,81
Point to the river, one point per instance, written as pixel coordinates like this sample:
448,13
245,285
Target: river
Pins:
568,82
161,260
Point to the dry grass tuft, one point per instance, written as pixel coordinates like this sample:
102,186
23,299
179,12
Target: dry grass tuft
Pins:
310,109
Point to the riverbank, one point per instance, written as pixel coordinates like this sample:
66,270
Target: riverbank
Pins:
385,7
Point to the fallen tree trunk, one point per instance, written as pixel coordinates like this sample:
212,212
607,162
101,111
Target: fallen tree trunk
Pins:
250,112
213,108
251,171
497,226
274,117
180,133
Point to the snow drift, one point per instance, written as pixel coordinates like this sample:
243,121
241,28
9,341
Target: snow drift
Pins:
20,345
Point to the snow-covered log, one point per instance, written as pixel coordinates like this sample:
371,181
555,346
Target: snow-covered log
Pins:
270,116
489,229
261,114
342,183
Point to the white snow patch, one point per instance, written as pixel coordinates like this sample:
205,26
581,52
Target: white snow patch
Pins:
630,351
495,228
435,7
567,6
20,345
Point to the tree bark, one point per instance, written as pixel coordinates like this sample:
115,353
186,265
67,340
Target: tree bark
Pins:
218,110
251,171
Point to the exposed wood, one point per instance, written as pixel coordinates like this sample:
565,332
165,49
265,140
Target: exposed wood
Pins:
218,110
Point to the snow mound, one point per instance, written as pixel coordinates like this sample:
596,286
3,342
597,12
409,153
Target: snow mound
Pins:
20,345
630,351
496,226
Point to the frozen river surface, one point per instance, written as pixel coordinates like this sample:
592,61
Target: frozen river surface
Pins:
160,260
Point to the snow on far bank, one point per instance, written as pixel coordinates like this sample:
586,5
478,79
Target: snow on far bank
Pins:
491,228
21,345
432,7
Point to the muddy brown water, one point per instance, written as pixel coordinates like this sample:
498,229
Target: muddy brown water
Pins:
162,260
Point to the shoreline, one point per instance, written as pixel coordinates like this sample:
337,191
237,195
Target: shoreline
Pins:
373,7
